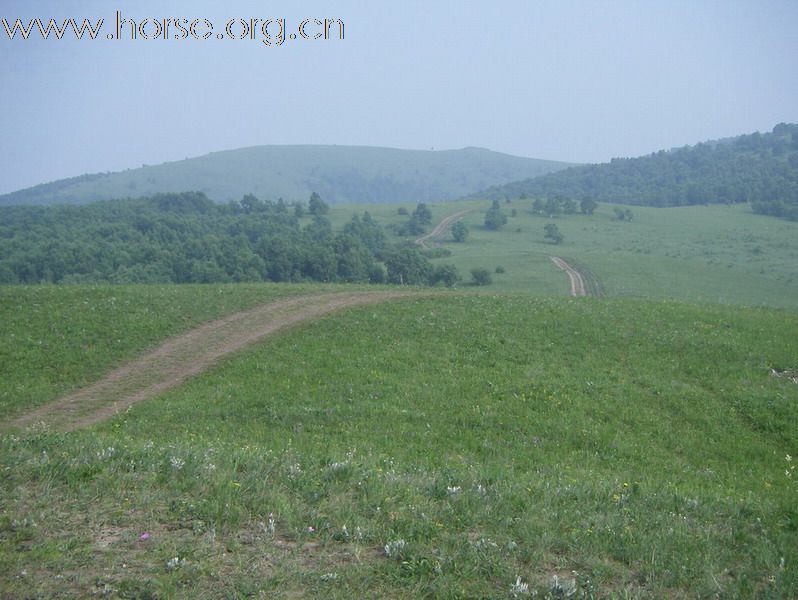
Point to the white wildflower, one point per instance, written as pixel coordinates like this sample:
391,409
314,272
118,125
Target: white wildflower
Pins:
294,471
175,563
394,549
565,588
519,588
106,453
482,544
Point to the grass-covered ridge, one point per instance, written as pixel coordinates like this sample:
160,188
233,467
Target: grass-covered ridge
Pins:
436,447
339,173
761,169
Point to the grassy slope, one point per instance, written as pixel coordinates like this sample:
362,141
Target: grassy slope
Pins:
640,444
338,173
55,339
715,254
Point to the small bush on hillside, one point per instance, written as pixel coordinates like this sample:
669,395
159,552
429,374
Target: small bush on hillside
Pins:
481,277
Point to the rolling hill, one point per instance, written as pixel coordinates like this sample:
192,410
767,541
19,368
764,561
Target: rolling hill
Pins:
443,445
353,174
761,169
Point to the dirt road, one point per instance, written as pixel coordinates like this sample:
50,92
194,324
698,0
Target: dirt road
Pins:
183,356
577,281
441,228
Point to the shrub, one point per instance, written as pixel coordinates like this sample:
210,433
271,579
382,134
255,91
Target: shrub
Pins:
481,277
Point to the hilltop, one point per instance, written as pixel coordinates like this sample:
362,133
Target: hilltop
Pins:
761,169
352,174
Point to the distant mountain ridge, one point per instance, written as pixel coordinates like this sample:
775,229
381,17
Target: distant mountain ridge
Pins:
341,174
761,169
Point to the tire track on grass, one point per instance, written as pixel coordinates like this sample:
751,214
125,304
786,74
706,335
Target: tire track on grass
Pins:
441,227
577,281
188,354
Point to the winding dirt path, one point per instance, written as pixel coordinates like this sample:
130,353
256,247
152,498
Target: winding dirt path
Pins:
188,354
441,227
577,281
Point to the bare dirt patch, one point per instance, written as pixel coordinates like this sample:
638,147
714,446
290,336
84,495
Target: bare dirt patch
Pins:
186,355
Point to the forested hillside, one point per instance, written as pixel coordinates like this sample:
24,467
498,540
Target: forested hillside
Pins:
184,238
341,174
761,169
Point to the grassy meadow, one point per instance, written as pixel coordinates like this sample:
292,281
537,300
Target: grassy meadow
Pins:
55,339
510,443
707,254
455,446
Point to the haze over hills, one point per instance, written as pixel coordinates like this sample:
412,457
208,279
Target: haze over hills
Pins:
761,169
351,174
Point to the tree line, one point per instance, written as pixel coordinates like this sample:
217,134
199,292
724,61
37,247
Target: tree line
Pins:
760,169
187,238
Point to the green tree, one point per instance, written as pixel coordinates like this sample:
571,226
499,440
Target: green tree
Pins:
353,259
317,206
319,230
588,205
495,218
446,275
552,207
367,231
481,277
320,263
407,266
568,206
423,214
459,231
623,214
553,233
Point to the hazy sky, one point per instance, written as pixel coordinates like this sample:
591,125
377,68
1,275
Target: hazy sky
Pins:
575,81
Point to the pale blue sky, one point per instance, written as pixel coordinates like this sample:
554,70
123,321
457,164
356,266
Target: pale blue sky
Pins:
576,81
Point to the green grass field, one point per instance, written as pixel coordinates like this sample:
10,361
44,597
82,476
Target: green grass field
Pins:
708,254
505,444
55,339
438,447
